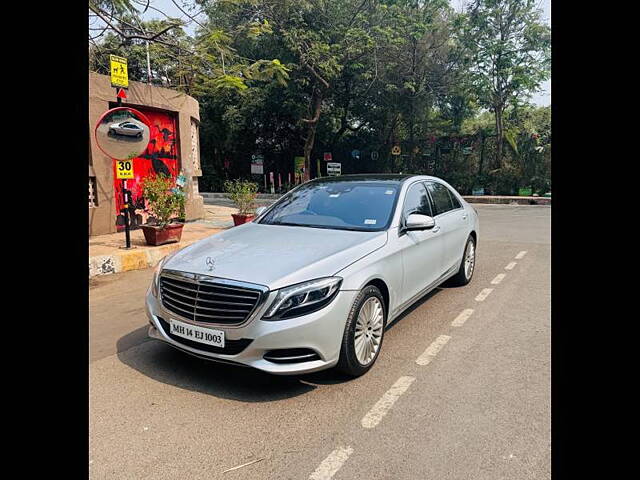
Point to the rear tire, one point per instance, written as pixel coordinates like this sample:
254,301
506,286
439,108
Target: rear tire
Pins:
364,318
467,265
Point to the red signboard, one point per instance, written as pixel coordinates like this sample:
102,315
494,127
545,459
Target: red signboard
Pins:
161,156
327,156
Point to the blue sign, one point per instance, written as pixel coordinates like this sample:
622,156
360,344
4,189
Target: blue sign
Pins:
355,154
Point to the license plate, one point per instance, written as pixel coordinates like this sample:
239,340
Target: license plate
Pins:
197,334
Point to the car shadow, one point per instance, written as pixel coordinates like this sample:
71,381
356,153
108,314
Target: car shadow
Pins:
165,364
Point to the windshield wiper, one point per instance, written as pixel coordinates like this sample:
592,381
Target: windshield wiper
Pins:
287,224
325,227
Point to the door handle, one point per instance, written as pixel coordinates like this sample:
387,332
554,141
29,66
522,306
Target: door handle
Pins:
464,217
435,229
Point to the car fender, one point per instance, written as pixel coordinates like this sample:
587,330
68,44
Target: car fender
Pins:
382,264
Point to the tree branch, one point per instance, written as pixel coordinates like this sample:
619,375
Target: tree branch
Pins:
151,38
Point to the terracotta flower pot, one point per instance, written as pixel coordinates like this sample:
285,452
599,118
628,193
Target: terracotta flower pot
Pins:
155,235
240,219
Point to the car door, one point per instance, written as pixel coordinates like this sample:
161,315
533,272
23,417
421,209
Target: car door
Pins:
130,129
422,250
452,220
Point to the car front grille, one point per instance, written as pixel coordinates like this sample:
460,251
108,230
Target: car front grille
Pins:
207,299
231,347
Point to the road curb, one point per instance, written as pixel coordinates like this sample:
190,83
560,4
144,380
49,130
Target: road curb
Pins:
135,259
507,200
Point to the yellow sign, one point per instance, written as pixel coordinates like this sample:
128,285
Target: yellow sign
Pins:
124,169
119,72
395,150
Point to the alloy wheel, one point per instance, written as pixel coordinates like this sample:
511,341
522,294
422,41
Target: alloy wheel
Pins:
469,260
368,334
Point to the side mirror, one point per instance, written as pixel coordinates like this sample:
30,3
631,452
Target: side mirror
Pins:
260,211
416,221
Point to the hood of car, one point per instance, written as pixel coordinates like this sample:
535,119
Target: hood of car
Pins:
275,255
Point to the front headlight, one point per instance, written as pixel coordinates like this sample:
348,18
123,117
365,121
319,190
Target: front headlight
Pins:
156,275
303,298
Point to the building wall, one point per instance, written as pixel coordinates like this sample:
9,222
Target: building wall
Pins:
102,204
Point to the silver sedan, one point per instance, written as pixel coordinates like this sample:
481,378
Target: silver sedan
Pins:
126,128
314,280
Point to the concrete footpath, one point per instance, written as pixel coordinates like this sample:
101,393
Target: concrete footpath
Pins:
106,255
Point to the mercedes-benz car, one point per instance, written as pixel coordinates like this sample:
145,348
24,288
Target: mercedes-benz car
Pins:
126,128
313,281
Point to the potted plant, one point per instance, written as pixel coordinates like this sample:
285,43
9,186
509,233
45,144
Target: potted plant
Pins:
243,194
165,201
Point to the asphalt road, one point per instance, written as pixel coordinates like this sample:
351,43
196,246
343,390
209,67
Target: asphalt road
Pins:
464,401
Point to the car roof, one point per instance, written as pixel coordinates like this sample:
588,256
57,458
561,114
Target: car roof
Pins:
373,177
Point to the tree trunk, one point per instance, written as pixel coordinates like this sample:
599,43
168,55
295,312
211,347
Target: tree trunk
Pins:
499,137
482,139
316,102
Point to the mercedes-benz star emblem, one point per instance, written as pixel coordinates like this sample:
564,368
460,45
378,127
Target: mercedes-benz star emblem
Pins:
210,263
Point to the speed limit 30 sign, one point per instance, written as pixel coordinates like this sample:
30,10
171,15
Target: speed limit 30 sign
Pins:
124,169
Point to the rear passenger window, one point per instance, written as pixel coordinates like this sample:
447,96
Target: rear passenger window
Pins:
454,199
417,201
441,199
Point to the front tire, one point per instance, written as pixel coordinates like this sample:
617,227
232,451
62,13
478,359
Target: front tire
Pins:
363,333
467,266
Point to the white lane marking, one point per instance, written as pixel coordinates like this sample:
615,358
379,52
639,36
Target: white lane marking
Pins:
382,407
463,317
483,294
521,254
432,350
498,278
331,464
510,266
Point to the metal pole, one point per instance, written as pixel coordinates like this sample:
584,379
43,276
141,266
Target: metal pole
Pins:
125,210
127,234
148,65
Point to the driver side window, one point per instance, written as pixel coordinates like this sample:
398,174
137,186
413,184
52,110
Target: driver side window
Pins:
417,201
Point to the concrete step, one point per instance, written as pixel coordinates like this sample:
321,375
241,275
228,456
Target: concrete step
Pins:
221,195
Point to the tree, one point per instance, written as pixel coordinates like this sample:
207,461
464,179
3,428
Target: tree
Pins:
281,77
510,55
206,62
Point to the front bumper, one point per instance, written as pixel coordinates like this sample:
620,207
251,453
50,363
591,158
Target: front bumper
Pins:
320,331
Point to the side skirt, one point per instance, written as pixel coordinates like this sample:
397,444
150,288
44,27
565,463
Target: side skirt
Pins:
443,278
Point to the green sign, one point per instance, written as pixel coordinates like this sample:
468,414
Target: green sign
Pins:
525,192
299,164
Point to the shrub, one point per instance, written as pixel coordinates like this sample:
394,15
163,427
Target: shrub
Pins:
165,199
243,194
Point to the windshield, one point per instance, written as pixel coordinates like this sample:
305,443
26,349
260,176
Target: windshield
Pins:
347,205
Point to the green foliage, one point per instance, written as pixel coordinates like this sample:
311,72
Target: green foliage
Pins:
243,195
301,78
165,200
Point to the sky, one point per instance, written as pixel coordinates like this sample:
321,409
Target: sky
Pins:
540,98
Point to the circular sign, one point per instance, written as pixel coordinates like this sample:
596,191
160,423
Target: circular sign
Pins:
122,133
